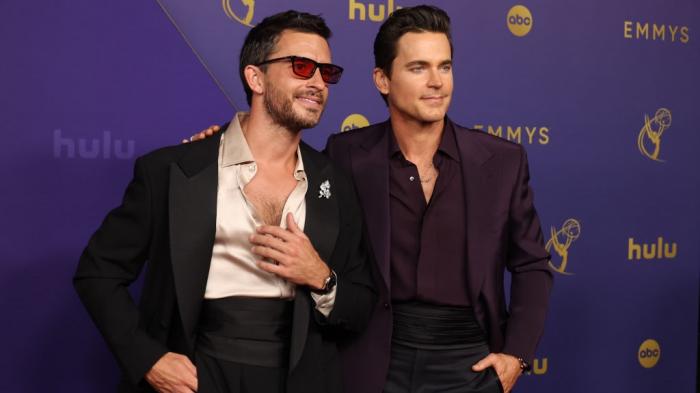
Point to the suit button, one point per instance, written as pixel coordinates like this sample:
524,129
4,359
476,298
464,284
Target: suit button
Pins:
386,306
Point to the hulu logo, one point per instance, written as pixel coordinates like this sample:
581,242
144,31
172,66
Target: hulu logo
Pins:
377,12
658,250
92,148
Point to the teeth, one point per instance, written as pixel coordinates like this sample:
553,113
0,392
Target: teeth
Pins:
310,100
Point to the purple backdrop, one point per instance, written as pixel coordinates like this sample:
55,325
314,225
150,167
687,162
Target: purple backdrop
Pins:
86,86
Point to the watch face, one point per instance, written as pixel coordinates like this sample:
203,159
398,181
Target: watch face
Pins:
330,282
328,285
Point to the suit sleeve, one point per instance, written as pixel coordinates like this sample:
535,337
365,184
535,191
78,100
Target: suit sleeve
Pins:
531,278
112,260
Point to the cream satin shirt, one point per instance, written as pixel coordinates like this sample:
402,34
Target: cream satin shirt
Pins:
233,271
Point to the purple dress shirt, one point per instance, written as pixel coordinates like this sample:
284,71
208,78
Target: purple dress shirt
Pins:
428,255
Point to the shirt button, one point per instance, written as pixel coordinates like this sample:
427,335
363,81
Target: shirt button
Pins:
412,178
251,168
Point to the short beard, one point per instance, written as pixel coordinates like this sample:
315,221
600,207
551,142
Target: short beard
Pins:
280,110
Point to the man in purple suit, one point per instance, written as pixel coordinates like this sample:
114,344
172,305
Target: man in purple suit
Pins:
448,210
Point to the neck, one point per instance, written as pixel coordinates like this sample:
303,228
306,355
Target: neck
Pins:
418,141
269,142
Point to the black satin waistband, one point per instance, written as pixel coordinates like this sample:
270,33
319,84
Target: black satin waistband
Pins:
430,326
253,331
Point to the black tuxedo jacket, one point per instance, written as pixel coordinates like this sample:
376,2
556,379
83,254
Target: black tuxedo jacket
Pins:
503,232
167,217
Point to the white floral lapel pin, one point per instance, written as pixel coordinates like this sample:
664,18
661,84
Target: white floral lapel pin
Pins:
325,190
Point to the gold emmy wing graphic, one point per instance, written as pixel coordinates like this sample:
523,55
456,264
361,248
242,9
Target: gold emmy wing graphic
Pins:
650,135
250,7
560,241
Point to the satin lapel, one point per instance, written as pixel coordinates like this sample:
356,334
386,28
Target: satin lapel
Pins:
370,170
192,214
477,178
322,228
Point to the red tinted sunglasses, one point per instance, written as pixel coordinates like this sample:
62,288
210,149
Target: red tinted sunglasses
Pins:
305,68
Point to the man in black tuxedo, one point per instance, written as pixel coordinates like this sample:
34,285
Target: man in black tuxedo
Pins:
254,242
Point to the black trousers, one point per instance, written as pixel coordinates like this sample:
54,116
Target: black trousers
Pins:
434,348
222,376
414,370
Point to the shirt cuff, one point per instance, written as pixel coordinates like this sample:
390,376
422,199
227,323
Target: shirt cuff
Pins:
325,303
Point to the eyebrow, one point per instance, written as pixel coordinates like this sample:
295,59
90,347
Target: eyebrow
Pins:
425,63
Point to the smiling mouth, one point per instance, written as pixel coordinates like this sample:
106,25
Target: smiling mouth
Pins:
434,100
311,100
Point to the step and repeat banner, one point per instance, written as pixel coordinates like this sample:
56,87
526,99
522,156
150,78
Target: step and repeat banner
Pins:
603,95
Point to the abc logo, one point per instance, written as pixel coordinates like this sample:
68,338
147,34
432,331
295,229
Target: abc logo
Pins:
519,20
355,120
649,353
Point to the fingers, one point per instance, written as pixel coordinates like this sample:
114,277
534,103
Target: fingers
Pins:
277,232
293,227
204,134
483,364
272,268
271,242
190,367
191,382
173,372
270,253
208,132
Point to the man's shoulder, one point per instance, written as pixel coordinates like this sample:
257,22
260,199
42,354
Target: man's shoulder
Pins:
318,159
492,142
164,156
357,135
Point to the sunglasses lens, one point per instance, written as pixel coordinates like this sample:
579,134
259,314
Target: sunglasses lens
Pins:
303,67
331,73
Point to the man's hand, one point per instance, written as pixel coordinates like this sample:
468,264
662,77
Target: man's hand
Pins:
507,367
173,373
203,134
297,260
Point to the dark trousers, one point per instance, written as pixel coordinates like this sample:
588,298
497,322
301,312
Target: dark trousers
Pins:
434,348
221,376
414,370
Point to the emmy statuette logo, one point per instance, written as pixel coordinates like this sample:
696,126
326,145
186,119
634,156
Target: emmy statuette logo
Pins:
649,138
249,7
559,243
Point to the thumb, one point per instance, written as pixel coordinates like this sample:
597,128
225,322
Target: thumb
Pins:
484,363
292,225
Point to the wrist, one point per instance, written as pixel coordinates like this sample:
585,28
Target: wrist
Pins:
524,366
327,283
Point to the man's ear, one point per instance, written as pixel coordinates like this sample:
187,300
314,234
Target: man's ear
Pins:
254,77
381,81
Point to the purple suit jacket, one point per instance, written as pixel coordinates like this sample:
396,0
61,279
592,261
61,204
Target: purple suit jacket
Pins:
503,232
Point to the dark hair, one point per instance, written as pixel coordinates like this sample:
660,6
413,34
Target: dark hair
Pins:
418,19
262,39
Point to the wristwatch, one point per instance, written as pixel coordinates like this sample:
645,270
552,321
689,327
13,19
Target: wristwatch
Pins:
328,284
